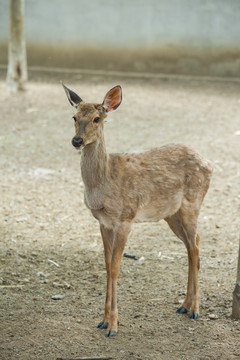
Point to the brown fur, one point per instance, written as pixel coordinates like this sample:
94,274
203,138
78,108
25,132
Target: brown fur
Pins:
167,183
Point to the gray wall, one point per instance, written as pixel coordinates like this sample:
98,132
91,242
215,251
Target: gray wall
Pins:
176,36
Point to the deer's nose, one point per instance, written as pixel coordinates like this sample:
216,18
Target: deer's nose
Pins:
77,142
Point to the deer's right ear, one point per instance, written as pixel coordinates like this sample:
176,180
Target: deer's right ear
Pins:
73,98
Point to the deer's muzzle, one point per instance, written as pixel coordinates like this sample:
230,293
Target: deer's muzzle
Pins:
77,142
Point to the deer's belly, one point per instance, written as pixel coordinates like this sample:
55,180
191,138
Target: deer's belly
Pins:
157,211
146,215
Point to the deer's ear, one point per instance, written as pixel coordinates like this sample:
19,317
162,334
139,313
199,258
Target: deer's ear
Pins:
113,99
73,98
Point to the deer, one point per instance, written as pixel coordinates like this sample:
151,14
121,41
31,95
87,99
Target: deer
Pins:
169,182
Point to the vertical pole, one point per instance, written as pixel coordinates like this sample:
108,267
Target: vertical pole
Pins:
17,58
236,292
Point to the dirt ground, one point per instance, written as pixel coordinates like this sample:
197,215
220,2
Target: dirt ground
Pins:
51,245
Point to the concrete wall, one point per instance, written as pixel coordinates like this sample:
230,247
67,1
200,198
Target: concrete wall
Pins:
175,36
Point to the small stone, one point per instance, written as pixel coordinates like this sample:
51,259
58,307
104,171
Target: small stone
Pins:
42,274
21,219
58,297
63,286
137,316
66,285
212,316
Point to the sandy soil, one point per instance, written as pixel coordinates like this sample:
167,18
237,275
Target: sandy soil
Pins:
51,245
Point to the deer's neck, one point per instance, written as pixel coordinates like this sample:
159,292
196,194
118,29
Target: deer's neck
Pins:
94,164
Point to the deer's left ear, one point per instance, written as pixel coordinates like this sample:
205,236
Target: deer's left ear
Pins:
113,99
73,98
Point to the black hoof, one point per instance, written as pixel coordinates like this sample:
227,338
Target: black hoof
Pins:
193,316
102,325
111,333
181,310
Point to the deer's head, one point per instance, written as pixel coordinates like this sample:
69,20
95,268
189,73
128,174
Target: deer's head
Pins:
89,117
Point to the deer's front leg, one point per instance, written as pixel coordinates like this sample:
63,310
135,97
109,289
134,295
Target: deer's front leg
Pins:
108,238
119,241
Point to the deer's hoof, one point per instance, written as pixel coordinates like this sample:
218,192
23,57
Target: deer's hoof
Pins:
193,316
103,325
111,333
181,310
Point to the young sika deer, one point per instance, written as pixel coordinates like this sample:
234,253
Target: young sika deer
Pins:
167,183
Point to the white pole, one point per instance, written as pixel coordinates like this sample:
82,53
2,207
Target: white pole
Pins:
17,58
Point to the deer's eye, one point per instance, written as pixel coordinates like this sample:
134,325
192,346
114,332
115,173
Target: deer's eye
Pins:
96,120
74,118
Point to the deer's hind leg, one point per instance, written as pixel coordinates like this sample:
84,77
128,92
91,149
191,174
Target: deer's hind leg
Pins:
184,225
